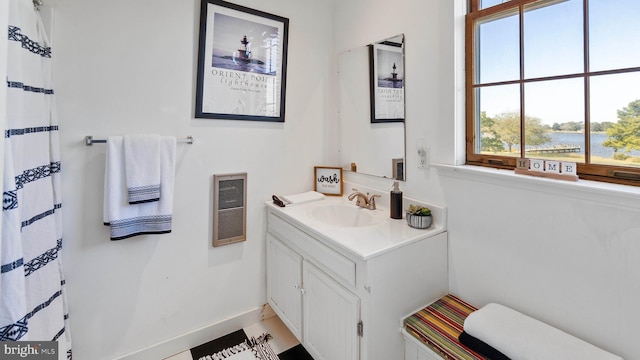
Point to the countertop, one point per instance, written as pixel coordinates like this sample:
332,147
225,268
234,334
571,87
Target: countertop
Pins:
362,242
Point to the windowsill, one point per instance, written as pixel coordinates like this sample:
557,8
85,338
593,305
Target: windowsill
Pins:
605,193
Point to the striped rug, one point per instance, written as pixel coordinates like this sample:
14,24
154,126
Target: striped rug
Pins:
439,325
250,349
232,340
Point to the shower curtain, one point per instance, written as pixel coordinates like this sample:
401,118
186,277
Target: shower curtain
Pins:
32,295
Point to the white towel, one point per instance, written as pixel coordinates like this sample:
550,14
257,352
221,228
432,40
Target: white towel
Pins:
127,220
142,167
302,198
521,337
12,278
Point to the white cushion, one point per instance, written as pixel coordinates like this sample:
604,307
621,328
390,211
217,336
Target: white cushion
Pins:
521,337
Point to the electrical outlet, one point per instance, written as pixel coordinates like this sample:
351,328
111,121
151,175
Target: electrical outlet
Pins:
423,153
422,159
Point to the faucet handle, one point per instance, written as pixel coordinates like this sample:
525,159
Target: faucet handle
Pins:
372,201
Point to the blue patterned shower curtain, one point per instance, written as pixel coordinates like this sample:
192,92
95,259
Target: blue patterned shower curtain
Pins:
32,295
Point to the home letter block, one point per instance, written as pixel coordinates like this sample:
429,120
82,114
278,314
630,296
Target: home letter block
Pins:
536,165
522,164
569,168
552,166
547,168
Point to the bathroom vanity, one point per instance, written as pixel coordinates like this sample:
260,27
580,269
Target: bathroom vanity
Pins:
340,276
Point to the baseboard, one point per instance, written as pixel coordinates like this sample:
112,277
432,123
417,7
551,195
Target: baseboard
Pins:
196,337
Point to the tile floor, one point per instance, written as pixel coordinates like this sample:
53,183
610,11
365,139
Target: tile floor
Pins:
283,343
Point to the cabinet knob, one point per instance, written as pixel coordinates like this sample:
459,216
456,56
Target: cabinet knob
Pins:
297,287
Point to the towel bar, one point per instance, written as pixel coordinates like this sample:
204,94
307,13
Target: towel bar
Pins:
89,140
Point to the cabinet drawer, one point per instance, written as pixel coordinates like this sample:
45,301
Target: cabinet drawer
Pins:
324,257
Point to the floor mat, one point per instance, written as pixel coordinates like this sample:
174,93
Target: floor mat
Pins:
253,348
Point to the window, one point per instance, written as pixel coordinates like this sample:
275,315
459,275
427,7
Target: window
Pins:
555,80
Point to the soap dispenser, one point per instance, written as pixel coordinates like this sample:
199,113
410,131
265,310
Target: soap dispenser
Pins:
396,201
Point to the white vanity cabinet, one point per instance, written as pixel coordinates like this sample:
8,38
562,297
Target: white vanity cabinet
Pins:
331,315
341,303
284,284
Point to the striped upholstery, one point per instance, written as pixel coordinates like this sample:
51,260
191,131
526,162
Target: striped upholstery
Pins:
439,325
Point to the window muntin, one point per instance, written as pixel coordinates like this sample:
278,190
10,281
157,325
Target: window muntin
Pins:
554,81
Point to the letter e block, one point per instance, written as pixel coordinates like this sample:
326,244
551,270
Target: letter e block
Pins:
536,165
569,168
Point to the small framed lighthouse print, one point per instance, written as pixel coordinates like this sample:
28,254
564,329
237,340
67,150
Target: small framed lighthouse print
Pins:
242,63
328,180
386,69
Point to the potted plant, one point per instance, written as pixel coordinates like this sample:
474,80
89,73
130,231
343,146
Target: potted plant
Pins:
419,216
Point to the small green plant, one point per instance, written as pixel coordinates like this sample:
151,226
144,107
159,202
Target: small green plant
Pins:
419,210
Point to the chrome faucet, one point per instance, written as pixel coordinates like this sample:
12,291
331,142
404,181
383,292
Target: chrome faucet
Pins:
364,201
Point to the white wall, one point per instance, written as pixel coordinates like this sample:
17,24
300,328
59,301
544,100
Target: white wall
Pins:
564,253
129,67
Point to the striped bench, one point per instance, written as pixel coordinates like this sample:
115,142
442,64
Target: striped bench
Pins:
438,326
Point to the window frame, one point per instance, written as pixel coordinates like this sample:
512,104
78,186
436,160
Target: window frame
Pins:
606,173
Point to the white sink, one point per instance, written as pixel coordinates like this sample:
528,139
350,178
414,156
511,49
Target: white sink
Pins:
347,214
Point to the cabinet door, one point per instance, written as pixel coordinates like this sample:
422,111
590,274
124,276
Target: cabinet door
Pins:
331,316
284,284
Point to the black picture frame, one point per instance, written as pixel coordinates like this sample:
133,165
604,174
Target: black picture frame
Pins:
242,63
386,69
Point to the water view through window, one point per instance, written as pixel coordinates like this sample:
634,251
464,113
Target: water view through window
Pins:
568,91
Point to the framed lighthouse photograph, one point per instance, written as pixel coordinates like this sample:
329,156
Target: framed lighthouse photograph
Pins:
242,61
386,68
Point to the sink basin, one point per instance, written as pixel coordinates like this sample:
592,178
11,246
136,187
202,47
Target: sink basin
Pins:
346,215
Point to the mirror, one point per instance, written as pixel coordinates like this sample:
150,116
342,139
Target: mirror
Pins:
371,131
